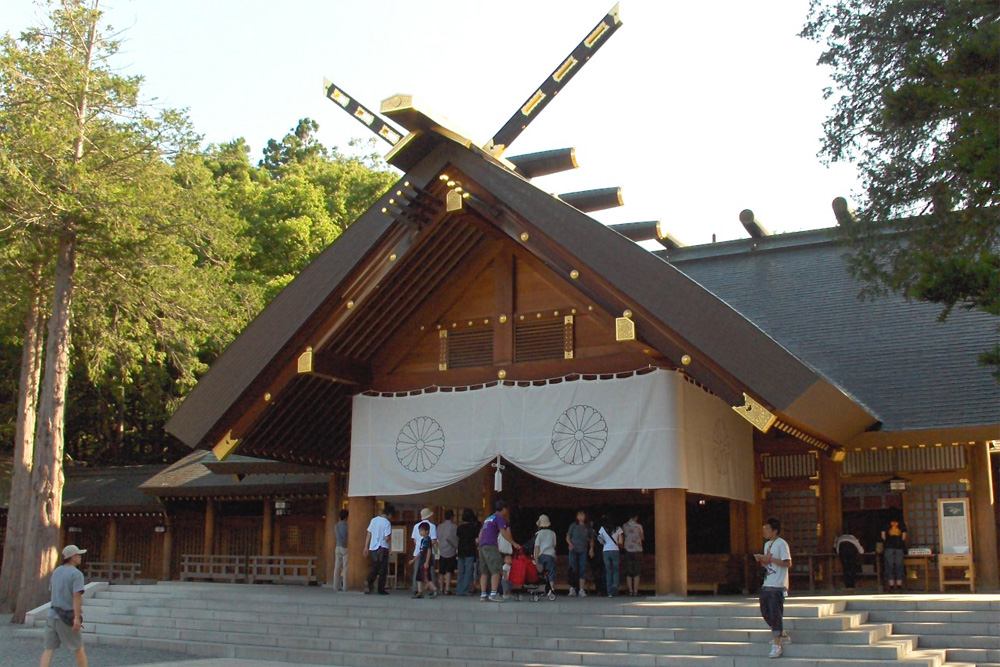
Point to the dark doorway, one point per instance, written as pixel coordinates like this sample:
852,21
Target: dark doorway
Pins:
707,525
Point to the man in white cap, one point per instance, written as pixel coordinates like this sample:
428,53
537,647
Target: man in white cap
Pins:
65,621
425,515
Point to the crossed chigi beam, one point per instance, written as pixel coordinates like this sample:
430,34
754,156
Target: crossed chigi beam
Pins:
529,166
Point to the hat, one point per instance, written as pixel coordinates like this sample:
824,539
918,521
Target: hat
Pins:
426,513
543,522
72,550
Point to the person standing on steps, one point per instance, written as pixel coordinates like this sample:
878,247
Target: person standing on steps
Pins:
448,546
64,625
632,564
468,533
610,537
490,560
340,554
894,541
580,538
425,520
377,549
776,560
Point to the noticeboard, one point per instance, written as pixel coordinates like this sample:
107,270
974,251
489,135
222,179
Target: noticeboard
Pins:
953,526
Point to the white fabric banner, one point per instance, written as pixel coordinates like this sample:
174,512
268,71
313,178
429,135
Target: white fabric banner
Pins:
621,433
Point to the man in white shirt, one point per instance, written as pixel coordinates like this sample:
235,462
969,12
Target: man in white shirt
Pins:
776,560
377,549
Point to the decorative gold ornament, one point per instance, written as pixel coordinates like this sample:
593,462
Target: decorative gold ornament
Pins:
686,359
525,236
624,329
350,304
756,414
226,446
305,363
627,313
503,319
267,397
443,177
486,321
470,323
501,373
392,257
574,274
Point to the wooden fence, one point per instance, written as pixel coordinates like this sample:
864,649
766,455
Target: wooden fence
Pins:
115,573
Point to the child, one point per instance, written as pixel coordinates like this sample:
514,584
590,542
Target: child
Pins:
425,564
545,551
507,551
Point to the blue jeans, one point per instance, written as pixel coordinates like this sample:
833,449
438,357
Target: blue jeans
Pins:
772,608
466,571
547,569
611,560
894,565
577,565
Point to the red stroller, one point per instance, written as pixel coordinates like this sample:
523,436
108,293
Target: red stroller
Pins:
524,579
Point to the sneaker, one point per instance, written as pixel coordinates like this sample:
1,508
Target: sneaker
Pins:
506,596
785,639
418,595
572,592
433,594
583,593
483,597
775,651
495,598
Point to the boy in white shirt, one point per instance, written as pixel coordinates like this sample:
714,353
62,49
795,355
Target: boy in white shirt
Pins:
776,560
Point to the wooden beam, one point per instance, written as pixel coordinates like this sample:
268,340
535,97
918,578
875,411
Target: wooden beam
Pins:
341,369
523,372
504,275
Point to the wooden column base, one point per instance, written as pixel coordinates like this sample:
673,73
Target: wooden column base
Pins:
362,509
670,516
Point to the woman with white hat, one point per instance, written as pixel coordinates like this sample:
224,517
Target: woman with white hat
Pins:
545,551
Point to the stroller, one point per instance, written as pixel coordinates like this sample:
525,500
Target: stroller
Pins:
524,579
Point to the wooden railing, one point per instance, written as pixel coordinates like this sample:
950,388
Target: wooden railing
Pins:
282,570
197,567
122,573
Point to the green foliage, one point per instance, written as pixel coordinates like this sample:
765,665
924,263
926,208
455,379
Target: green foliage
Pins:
917,106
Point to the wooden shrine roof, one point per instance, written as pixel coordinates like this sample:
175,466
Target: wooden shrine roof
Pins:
111,490
309,420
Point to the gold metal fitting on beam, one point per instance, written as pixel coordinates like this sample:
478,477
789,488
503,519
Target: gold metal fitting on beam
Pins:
305,363
525,236
226,446
686,359
574,274
624,329
501,374
756,414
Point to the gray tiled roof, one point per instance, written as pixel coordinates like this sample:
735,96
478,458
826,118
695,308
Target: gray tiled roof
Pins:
117,488
892,355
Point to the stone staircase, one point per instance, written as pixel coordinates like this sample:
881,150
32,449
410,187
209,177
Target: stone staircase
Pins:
968,628
315,626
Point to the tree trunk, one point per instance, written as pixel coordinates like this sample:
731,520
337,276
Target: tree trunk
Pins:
41,539
24,445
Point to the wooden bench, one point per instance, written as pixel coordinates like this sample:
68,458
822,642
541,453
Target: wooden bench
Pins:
122,573
282,570
703,587
197,567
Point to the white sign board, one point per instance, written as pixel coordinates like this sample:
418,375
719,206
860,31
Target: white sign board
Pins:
953,525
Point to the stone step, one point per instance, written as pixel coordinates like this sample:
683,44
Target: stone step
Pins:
961,619
428,656
971,603
979,656
365,629
960,641
979,628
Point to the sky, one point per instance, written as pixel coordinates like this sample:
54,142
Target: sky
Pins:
696,110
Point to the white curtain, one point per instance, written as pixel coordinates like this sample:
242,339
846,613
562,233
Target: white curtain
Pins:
648,431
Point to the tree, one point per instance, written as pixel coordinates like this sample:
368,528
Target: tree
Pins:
89,172
917,106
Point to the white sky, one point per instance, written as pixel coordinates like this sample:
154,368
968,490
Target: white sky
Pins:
696,109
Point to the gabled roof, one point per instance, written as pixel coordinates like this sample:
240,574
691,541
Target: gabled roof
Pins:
730,354
109,490
893,355
191,478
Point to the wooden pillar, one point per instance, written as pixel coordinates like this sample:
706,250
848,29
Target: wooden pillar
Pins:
209,549
168,552
362,509
111,549
329,538
984,528
737,527
267,532
830,502
670,517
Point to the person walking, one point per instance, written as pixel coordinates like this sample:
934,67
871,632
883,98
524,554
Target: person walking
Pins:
545,552
490,560
848,549
425,520
424,564
377,549
610,537
448,546
633,536
894,545
580,538
340,553
64,625
468,533
776,560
